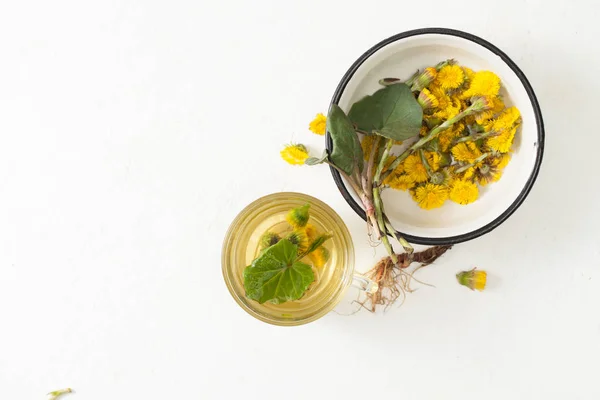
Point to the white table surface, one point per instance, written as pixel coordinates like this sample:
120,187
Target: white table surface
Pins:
132,132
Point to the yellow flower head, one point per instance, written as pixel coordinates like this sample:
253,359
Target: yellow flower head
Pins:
502,142
402,182
434,160
469,74
429,196
484,83
473,279
463,192
502,161
508,119
298,217
319,257
415,168
443,99
318,125
468,174
466,151
427,100
452,109
450,77
294,154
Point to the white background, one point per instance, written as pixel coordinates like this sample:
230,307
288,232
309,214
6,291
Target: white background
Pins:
132,133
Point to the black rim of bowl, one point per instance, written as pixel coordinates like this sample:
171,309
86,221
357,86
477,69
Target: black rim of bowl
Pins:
534,103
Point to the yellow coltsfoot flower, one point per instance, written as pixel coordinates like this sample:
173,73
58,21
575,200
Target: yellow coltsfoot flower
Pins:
450,77
502,161
318,125
294,154
463,192
502,142
466,151
473,279
430,196
415,168
483,83
401,182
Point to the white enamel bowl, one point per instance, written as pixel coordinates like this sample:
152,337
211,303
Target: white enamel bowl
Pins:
400,56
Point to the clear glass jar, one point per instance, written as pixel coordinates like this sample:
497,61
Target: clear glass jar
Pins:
241,246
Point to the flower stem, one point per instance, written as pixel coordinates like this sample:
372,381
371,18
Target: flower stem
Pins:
407,246
380,221
379,204
478,136
425,163
364,198
386,152
477,161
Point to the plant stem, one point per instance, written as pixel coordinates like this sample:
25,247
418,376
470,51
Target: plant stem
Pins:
386,152
379,204
425,163
477,161
477,136
379,213
407,246
367,183
364,198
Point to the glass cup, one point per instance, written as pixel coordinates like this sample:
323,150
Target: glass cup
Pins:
241,246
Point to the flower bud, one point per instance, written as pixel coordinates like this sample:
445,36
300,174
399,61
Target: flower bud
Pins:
427,100
268,239
424,79
298,217
472,279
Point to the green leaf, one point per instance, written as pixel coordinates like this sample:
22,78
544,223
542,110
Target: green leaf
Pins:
316,160
277,276
347,153
391,112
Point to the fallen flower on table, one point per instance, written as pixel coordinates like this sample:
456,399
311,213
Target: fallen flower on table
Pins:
57,393
473,279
